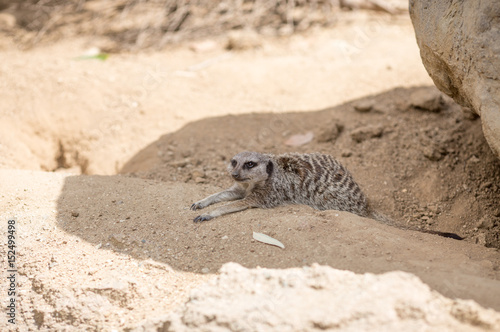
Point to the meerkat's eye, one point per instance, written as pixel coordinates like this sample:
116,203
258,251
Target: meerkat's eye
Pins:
250,164
233,163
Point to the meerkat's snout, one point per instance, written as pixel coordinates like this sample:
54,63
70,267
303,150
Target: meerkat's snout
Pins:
234,170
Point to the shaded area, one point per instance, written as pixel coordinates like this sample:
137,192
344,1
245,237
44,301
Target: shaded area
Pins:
140,216
417,156
150,220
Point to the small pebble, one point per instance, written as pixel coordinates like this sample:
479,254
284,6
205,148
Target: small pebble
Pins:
346,153
199,180
364,106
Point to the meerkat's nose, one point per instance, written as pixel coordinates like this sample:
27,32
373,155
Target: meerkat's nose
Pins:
235,175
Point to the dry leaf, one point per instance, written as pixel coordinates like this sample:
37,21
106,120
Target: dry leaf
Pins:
267,239
299,139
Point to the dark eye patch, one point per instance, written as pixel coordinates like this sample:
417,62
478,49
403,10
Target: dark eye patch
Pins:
250,164
233,163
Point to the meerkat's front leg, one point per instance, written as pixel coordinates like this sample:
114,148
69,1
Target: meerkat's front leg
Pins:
240,205
231,194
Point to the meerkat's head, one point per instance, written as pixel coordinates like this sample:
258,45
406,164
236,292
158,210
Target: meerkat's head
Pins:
250,167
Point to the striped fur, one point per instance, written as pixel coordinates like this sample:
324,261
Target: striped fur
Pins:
315,179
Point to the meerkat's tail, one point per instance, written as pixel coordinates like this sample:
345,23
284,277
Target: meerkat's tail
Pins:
444,234
388,221
381,217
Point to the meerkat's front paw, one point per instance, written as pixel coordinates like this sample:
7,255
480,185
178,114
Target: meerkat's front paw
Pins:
197,206
203,217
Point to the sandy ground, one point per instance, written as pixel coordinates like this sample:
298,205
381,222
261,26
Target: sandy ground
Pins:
105,239
116,107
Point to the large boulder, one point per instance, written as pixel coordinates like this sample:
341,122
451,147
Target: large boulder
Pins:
460,47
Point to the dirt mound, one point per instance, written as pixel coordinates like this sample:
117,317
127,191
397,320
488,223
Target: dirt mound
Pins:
418,157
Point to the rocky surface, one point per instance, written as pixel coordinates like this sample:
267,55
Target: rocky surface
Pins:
322,298
459,46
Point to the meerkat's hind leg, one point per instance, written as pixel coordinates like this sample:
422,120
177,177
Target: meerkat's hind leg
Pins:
231,194
229,208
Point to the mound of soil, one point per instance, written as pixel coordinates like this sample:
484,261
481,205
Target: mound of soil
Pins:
418,157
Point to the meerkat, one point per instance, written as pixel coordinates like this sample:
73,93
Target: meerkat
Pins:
267,181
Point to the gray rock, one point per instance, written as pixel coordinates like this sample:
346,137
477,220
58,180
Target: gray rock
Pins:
460,48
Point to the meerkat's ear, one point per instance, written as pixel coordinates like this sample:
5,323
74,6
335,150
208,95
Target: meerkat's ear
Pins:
270,167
